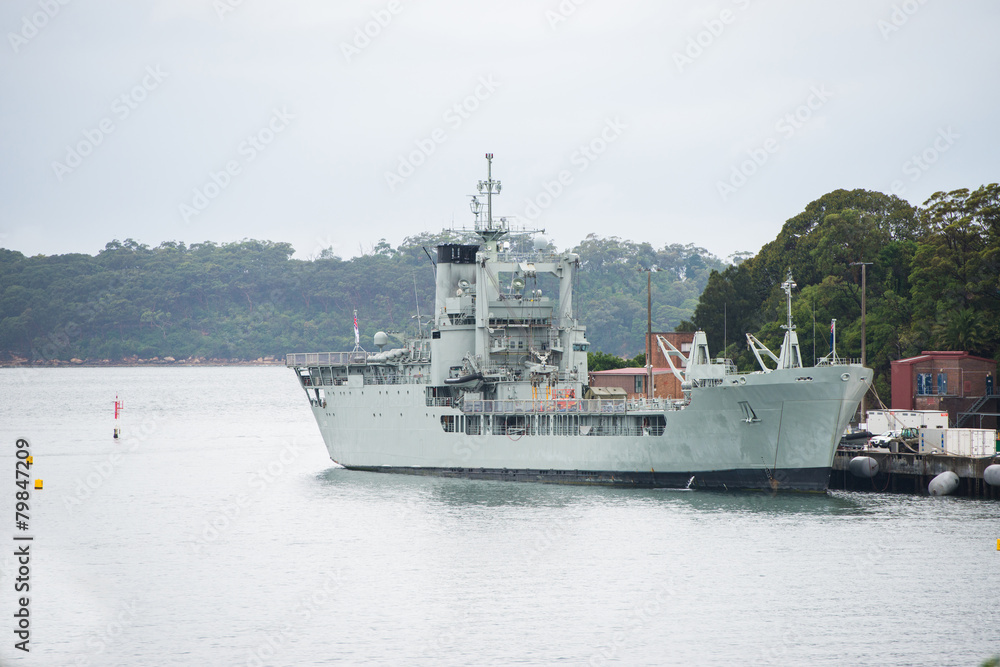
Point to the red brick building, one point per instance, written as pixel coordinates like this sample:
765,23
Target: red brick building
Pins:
680,339
946,381
633,381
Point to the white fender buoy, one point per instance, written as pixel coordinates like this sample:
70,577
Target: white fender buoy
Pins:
992,475
943,484
863,466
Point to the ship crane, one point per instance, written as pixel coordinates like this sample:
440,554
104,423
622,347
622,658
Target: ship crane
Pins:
789,356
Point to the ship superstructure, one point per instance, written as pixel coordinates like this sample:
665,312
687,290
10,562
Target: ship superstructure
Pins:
496,389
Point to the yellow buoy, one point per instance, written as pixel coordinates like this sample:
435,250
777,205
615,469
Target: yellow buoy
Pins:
38,485
30,459
998,545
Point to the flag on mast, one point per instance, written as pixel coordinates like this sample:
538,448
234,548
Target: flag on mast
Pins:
357,337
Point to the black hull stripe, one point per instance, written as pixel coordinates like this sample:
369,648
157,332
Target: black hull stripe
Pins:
791,479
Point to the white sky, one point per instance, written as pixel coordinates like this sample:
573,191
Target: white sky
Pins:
894,79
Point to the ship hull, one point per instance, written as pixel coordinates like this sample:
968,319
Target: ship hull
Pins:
799,479
776,430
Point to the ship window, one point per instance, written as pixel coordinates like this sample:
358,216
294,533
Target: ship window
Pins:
581,347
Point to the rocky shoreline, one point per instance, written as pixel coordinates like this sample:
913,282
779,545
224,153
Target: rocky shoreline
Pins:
21,362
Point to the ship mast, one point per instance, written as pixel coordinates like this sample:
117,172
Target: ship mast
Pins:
489,185
790,356
489,232
788,286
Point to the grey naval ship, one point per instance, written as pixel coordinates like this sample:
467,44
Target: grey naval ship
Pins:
496,388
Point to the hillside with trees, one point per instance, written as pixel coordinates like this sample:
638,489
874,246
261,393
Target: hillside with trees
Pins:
933,282
249,299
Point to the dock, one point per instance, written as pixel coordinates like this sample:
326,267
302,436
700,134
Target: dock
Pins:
911,473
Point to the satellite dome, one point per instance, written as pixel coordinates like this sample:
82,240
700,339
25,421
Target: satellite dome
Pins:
381,338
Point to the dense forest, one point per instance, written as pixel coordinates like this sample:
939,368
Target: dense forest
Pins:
250,299
933,281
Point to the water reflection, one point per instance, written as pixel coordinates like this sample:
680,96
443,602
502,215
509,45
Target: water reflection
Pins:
466,493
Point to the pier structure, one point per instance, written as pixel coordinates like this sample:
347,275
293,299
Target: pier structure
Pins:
911,473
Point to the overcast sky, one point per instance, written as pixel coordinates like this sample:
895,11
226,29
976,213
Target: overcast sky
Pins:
340,123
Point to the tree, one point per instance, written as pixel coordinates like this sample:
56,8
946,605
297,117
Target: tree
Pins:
956,276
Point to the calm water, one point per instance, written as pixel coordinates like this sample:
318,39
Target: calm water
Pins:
219,532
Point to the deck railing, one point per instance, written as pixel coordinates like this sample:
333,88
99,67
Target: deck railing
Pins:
325,358
568,405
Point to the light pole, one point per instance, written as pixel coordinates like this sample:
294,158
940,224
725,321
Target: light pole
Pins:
649,334
649,330
864,291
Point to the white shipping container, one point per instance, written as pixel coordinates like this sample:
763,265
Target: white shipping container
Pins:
957,441
931,441
880,421
983,442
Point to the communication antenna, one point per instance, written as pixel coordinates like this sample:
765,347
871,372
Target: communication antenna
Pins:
491,232
788,286
814,328
489,187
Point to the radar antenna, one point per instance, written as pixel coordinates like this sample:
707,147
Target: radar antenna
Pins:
490,187
490,232
486,228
